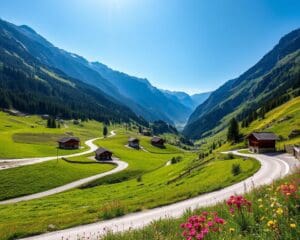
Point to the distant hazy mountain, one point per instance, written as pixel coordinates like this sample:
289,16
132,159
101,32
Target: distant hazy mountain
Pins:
29,85
190,101
277,73
138,94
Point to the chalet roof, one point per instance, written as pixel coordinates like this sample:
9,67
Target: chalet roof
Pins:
264,136
133,139
156,139
67,139
101,150
297,149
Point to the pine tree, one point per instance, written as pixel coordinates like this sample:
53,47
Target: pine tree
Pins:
233,131
49,123
105,131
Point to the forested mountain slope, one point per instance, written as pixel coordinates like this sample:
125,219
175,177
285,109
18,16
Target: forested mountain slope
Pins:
28,85
138,94
277,73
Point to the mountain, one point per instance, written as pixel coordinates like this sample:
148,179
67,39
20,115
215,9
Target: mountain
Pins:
30,85
200,98
154,101
275,74
138,94
189,101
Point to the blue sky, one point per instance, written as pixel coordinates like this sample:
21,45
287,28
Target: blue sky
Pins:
190,45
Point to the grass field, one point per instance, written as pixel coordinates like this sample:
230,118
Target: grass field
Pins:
40,177
273,215
281,120
22,137
147,183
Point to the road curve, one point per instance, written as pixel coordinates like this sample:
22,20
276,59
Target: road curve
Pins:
272,168
12,163
120,167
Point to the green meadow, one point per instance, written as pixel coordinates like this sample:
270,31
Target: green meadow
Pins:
16,182
22,137
147,183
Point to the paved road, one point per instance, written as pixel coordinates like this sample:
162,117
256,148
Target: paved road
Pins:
272,167
120,167
12,163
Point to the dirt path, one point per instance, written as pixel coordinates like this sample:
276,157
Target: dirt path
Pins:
12,163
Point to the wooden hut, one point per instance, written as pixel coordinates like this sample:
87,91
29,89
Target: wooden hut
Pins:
158,142
134,142
103,154
260,142
69,143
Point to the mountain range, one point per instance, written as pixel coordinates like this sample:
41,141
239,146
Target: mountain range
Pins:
276,74
38,77
138,94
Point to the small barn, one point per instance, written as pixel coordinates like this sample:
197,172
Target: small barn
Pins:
158,142
103,154
69,143
134,142
297,152
260,142
146,132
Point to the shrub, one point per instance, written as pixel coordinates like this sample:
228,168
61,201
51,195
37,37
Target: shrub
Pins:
139,178
112,209
235,169
176,159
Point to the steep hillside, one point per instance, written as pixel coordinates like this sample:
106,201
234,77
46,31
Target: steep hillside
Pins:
138,94
275,74
30,86
154,101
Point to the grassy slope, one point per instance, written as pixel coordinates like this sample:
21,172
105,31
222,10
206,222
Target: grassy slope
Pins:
265,204
281,120
35,178
22,137
159,185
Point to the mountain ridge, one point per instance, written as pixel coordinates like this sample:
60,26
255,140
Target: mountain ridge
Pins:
274,73
148,101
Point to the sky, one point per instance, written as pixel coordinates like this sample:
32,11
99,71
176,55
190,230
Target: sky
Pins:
183,45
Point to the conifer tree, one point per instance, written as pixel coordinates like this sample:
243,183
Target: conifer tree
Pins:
233,131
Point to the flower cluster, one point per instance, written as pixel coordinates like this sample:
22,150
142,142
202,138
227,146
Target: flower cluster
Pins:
238,203
288,189
198,226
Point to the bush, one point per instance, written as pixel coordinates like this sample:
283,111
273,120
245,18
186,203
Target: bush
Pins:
112,209
235,169
139,178
176,159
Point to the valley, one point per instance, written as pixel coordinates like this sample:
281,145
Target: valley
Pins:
90,152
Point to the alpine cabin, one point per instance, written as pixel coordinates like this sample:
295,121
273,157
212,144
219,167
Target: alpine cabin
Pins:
158,142
69,143
134,142
103,154
260,142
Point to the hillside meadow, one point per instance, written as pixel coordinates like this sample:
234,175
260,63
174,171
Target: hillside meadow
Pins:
23,137
147,183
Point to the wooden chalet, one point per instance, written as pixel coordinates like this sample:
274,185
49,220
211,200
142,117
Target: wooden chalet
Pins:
103,154
146,132
297,152
158,142
69,143
134,142
260,142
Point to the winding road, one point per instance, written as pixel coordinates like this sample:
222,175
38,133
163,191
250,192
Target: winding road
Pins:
120,167
12,163
273,166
